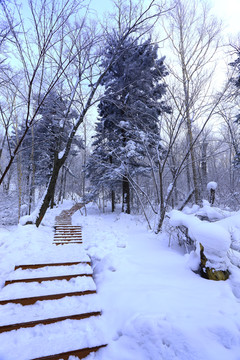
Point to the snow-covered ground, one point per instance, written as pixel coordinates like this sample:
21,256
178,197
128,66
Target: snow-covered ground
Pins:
154,306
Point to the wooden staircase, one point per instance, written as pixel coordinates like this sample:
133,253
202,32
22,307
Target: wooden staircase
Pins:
47,290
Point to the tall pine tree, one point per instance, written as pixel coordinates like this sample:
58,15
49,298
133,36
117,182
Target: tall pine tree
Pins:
128,128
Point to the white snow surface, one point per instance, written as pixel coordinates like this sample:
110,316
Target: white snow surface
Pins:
212,185
215,239
154,307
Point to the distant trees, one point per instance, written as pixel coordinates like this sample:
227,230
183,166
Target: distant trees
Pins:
127,141
152,148
42,144
58,46
236,82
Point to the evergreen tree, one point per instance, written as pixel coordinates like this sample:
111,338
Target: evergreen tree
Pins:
127,132
48,138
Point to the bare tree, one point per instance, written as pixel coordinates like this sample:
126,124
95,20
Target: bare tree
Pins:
32,45
194,40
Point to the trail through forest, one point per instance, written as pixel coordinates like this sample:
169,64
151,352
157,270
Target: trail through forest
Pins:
153,305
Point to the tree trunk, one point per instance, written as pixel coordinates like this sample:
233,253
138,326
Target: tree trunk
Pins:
50,191
126,195
61,186
113,200
204,168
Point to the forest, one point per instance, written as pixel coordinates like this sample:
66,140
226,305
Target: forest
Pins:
119,180
137,109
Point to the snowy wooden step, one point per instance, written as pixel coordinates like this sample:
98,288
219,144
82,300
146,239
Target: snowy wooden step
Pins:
36,266
66,242
67,306
74,236
47,271
49,278
68,226
48,321
34,299
67,236
80,283
68,229
53,339
80,354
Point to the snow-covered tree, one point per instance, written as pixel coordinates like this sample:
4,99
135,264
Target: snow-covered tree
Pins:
46,140
128,130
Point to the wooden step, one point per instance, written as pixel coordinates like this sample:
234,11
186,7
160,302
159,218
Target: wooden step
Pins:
67,234
67,226
74,237
28,324
34,299
81,353
67,239
67,242
50,278
36,266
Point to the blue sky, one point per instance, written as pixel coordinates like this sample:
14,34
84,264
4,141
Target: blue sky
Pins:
229,12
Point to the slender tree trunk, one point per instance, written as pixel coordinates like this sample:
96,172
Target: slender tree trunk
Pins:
61,186
126,195
113,200
204,168
161,187
50,191
64,186
32,182
188,175
186,86
19,177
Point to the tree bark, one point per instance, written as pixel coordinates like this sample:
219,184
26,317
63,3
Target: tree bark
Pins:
50,191
204,168
113,200
126,195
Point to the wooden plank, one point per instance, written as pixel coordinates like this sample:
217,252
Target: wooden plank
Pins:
67,239
34,299
68,236
81,353
36,266
6,328
49,278
65,233
67,242
67,226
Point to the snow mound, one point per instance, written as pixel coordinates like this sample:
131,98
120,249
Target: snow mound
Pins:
212,185
215,239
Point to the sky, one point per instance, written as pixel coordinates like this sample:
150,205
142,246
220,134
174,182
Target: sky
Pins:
228,11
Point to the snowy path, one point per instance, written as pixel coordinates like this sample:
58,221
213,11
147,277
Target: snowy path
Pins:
43,315
154,307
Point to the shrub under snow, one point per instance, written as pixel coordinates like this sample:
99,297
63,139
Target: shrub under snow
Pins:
215,239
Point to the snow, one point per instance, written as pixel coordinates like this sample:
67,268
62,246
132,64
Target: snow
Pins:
61,153
212,185
154,306
212,213
215,239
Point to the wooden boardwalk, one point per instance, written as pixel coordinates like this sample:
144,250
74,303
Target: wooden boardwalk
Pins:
65,234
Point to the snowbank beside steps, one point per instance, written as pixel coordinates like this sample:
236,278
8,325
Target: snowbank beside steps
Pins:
215,239
154,307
